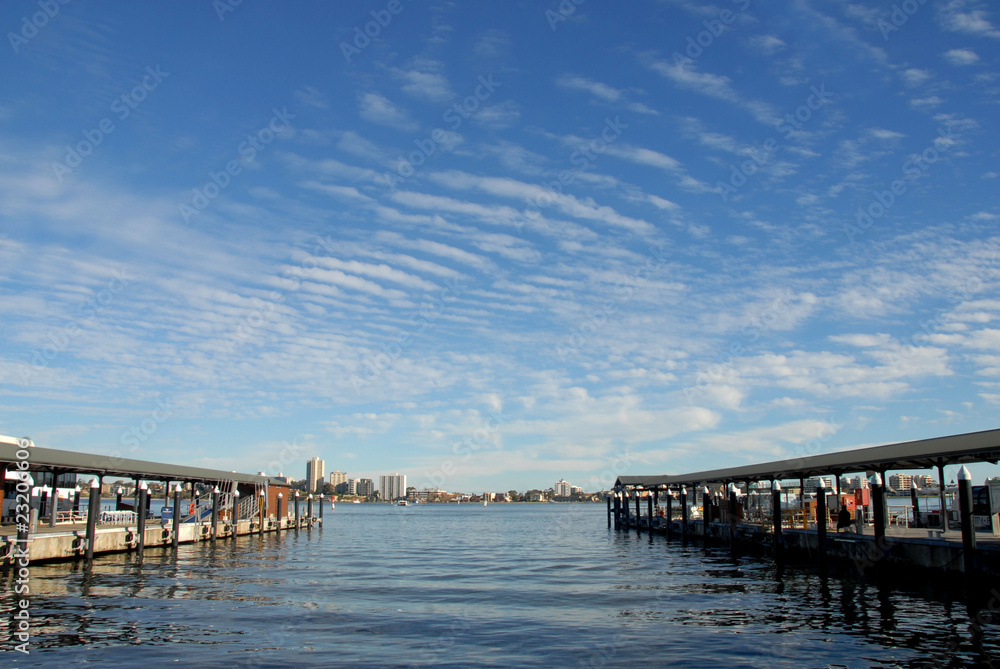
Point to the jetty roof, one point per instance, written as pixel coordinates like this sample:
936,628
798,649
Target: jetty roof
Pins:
48,459
922,454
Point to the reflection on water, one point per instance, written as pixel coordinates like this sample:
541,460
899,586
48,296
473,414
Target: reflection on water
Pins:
517,585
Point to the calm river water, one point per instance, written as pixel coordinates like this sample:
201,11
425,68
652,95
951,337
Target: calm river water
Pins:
515,585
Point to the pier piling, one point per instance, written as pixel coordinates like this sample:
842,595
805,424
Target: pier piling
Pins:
296,509
821,518
177,516
309,510
280,500
236,511
670,513
968,528
321,509
215,512
608,500
776,512
143,494
93,508
649,509
684,513
263,510
878,508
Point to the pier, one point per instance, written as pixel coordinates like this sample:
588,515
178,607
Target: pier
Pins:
747,508
44,520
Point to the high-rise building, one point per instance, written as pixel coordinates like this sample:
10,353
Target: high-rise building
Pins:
337,477
364,488
900,481
392,486
924,481
561,488
314,475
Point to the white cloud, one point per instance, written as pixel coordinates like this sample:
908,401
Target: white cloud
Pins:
961,57
967,17
377,109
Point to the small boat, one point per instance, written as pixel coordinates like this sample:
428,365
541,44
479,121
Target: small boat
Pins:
356,501
402,502
485,502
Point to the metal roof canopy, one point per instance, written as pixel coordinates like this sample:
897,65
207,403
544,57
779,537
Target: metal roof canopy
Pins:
111,465
923,454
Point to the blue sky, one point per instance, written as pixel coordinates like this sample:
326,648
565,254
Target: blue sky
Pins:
492,245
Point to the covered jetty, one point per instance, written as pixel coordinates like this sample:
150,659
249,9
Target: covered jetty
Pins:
43,505
745,505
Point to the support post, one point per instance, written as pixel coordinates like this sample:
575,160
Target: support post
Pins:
878,509
616,504
968,526
670,513
296,509
76,500
915,503
320,509
649,509
236,511
684,513
118,498
141,530
734,502
93,509
706,507
821,517
263,503
43,503
802,502
215,513
54,511
309,509
942,492
177,516
638,514
776,512
608,500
